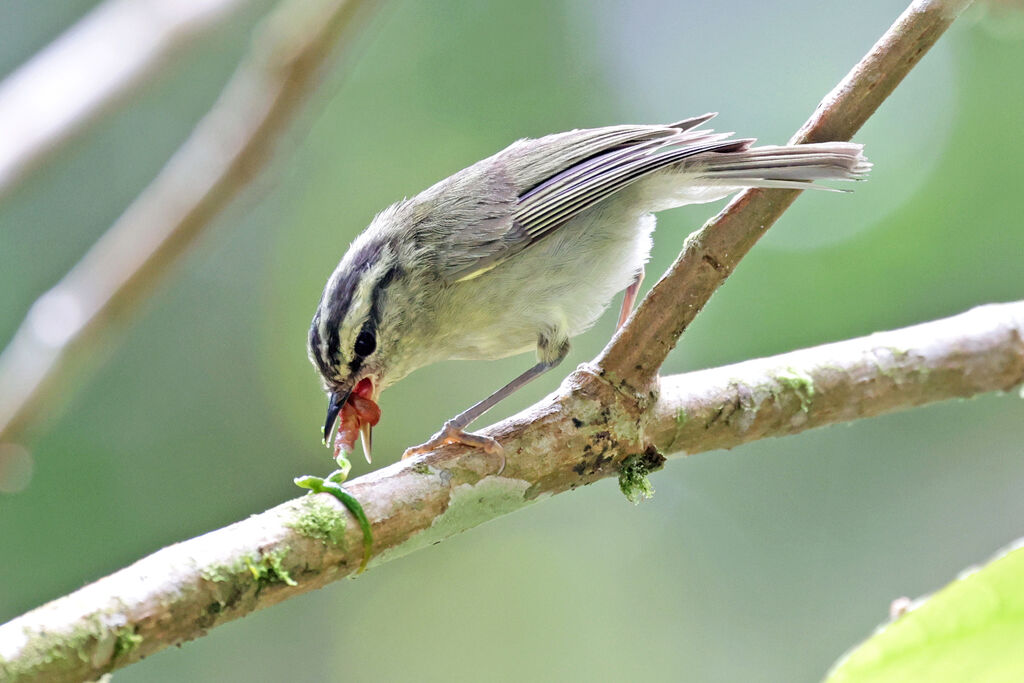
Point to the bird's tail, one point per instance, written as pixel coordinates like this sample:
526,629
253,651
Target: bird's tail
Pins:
793,166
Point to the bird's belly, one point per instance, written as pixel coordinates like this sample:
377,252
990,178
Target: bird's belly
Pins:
556,288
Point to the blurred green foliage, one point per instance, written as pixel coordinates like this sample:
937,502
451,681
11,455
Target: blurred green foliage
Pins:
761,564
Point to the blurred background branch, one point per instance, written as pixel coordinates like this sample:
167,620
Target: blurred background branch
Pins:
228,147
75,79
165,599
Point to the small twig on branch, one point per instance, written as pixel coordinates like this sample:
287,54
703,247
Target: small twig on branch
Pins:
568,440
71,82
225,151
709,256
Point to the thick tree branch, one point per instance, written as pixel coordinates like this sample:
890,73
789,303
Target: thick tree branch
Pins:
225,151
71,82
577,436
710,254
964,355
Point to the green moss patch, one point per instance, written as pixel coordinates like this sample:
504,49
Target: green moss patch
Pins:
800,383
634,475
265,569
319,520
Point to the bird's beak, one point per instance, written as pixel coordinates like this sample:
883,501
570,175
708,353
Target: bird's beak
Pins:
335,401
361,400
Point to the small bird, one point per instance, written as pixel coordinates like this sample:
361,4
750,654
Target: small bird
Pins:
523,251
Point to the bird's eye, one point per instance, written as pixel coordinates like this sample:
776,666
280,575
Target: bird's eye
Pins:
365,344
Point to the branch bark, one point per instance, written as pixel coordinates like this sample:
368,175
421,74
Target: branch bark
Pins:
575,437
71,82
228,147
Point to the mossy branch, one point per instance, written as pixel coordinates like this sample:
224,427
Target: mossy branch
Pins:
579,435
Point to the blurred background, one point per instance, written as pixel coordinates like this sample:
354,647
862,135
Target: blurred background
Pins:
765,563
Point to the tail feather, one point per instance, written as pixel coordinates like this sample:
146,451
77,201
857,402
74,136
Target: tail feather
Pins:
793,166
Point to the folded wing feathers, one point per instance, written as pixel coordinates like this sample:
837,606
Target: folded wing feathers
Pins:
624,154
626,140
610,178
693,121
587,183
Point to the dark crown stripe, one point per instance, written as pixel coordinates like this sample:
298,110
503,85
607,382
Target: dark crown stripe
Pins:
340,299
378,294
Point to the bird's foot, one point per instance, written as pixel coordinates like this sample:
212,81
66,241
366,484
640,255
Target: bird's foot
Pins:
450,434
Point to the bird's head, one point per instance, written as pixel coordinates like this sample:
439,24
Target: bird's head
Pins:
350,341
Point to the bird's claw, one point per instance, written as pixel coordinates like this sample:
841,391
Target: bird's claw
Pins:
450,434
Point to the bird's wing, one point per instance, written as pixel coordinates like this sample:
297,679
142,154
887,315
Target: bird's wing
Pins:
555,178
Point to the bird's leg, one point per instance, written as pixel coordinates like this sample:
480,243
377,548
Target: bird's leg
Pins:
629,298
453,430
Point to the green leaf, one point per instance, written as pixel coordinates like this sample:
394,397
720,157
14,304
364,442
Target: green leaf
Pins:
971,630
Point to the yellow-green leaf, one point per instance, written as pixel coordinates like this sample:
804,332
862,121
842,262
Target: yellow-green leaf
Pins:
971,630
